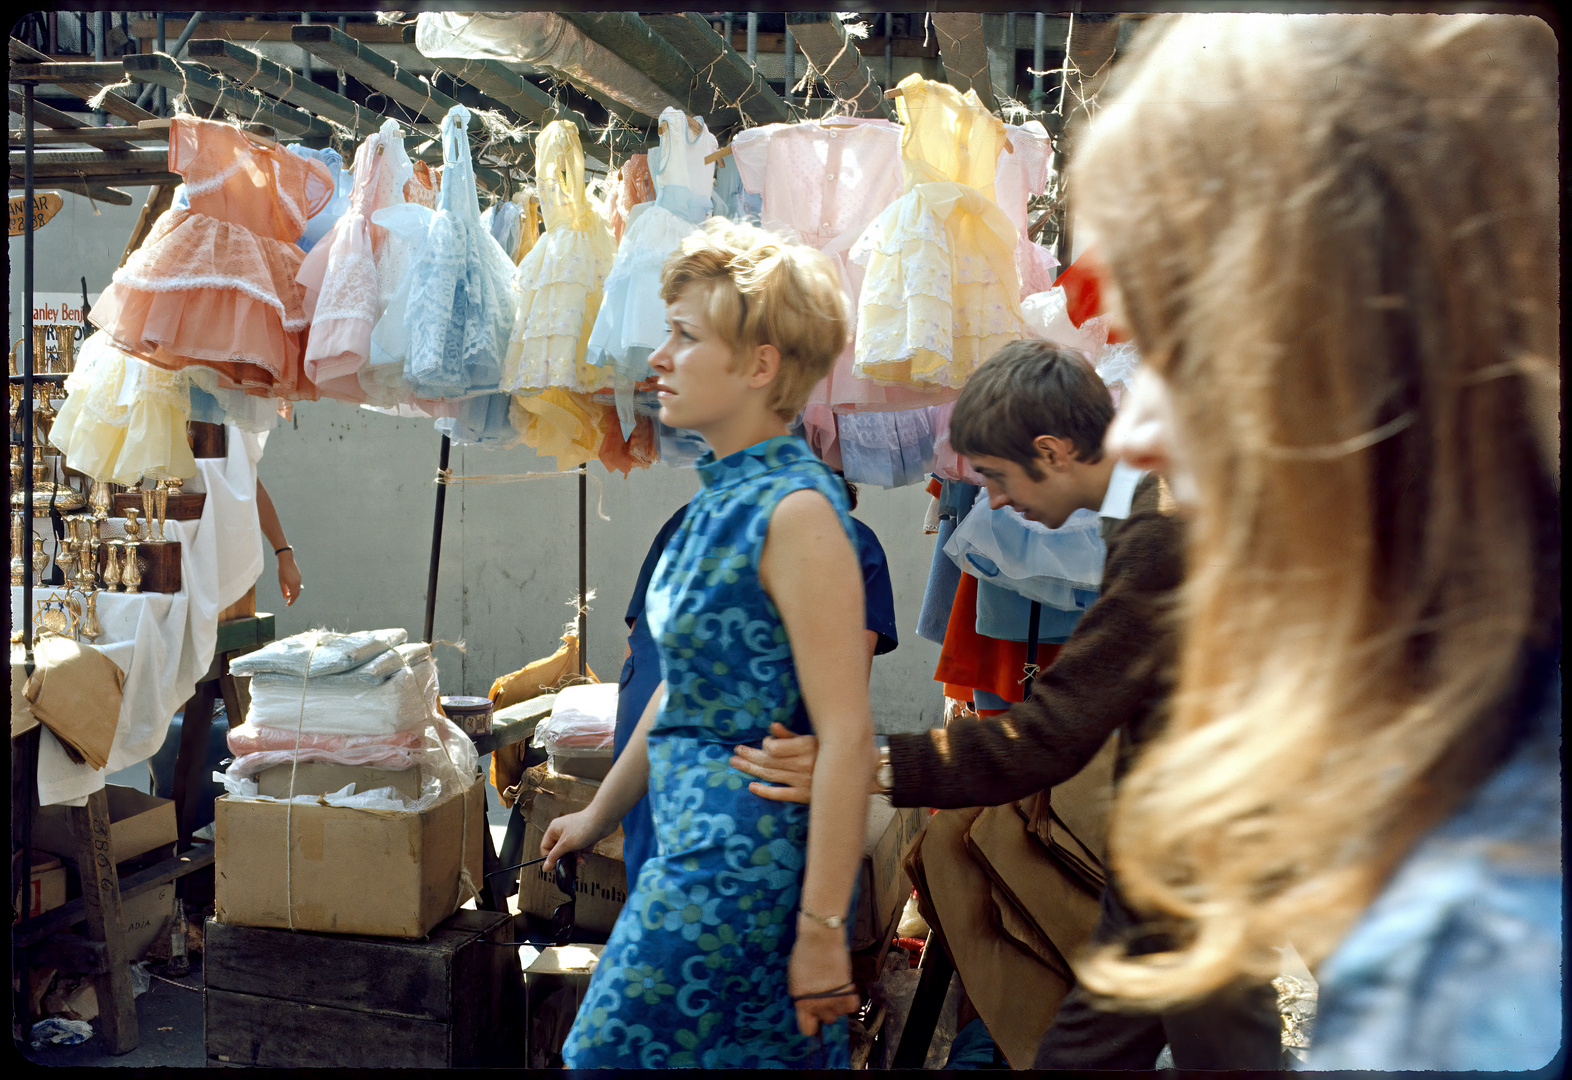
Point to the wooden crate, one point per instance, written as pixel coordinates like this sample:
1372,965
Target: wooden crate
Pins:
289,999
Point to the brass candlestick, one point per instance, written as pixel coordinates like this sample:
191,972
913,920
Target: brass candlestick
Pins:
147,511
40,350
112,565
18,533
16,468
132,573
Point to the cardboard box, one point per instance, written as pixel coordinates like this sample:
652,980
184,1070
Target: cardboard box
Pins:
48,886
339,870
137,823
146,918
882,885
324,777
602,887
545,796
583,766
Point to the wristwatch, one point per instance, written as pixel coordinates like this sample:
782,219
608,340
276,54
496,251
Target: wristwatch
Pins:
884,775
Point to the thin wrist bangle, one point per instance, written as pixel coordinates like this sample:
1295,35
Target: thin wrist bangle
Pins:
280,551
833,922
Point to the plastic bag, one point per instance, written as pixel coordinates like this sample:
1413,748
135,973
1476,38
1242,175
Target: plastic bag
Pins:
1042,564
583,720
326,652
382,798
404,702
383,756
61,1032
251,738
1047,318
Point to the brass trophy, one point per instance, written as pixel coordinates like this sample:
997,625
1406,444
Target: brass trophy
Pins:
161,501
40,560
132,573
100,498
112,565
18,533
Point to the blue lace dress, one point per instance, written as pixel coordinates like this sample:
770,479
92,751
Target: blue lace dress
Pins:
694,974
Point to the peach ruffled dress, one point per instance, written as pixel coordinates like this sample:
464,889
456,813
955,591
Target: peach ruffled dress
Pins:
214,285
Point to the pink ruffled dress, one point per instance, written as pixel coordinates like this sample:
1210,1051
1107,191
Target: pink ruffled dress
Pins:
214,285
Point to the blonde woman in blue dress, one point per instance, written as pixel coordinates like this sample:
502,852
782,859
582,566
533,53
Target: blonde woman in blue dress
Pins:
731,951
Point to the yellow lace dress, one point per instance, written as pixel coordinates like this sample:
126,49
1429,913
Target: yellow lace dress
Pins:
123,418
941,293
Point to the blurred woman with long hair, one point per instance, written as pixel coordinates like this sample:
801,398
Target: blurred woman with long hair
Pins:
1334,240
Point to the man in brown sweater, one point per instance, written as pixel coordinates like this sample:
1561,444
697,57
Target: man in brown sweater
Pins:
1031,421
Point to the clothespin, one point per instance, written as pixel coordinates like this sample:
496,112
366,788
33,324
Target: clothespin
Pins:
695,125
723,152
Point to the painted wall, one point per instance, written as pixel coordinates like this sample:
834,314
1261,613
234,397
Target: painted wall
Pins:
355,492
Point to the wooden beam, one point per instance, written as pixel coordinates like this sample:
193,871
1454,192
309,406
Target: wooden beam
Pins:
832,52
344,53
258,72
105,922
109,195
632,39
964,54
160,198
105,73
872,45
113,103
146,32
196,83
73,911
734,81
102,162
112,138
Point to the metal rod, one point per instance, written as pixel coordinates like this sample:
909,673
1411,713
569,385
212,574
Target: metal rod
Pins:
1040,34
158,93
1009,50
99,119
791,64
889,49
305,67
726,23
343,80
26,410
753,38
54,33
583,622
185,35
436,538
1064,69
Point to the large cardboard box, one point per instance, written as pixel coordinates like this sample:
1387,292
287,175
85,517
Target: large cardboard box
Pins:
339,870
324,778
883,887
602,887
137,823
48,883
146,918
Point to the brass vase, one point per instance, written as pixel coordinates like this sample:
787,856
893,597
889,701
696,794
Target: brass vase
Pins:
132,573
91,628
112,565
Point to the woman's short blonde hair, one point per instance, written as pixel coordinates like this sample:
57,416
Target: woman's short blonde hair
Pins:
762,290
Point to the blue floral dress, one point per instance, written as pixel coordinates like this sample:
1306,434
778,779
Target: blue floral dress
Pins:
694,974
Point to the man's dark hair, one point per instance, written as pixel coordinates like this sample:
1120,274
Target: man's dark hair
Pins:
1027,389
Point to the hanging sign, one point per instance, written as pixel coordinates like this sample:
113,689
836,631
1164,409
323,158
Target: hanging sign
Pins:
45,206
60,313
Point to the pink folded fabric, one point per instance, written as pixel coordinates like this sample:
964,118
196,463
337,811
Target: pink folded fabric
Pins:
254,739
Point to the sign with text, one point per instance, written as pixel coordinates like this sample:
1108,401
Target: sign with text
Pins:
59,313
45,206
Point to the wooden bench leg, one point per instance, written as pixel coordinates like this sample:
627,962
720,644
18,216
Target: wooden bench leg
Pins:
191,758
927,1005
101,896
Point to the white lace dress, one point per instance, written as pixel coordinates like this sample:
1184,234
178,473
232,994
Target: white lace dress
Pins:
631,323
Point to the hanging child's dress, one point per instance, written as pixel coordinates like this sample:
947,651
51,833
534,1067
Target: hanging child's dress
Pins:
215,284
340,275
449,321
631,186
559,282
825,183
631,323
123,418
941,293
323,220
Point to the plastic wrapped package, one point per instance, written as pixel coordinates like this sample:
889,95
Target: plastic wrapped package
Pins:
1047,565
326,652
346,708
248,738
583,720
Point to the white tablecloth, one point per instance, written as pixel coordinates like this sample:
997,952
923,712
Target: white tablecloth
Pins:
164,642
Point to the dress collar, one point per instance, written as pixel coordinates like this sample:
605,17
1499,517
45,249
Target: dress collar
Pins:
756,460
1121,491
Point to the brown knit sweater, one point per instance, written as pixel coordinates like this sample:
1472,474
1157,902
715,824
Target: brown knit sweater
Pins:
1115,673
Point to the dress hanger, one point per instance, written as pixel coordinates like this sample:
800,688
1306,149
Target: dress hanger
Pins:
164,123
695,125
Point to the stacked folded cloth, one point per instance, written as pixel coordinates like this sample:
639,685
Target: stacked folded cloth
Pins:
366,701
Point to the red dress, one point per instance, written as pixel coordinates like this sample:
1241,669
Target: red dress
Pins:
214,285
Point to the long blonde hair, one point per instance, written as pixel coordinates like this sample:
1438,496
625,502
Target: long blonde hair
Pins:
1335,237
